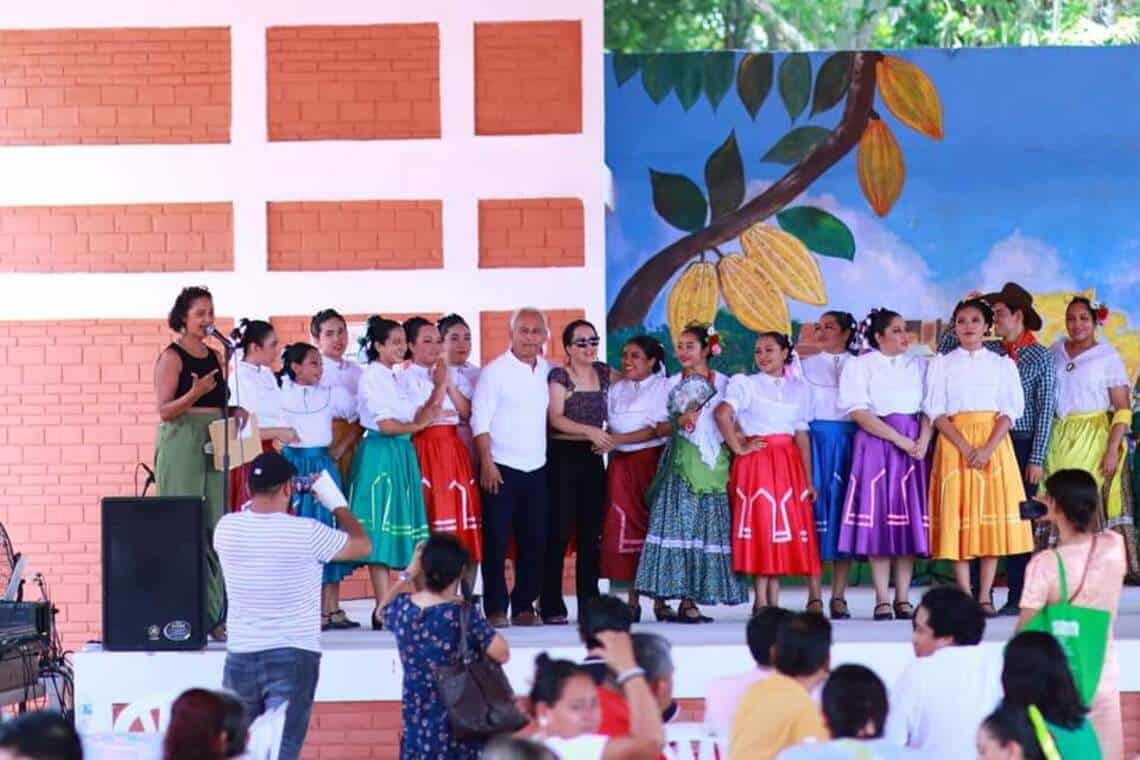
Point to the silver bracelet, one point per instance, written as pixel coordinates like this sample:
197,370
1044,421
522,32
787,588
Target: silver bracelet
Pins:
629,675
404,577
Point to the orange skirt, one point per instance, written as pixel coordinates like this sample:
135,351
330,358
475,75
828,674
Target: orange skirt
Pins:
451,493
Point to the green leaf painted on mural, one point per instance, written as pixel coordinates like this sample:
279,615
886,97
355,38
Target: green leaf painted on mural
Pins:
793,146
626,65
724,177
678,200
820,231
754,81
657,77
690,78
831,82
718,70
795,83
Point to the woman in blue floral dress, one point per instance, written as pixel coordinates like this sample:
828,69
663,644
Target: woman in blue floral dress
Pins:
426,626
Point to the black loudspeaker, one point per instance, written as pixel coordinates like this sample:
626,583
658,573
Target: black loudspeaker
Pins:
154,574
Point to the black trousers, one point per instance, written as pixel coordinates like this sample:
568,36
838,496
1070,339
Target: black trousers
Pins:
577,505
520,507
1015,564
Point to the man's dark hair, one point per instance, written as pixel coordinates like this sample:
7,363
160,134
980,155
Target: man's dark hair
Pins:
803,644
954,613
44,735
852,696
762,630
603,613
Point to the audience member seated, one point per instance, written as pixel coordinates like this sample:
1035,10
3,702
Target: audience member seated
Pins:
236,725
565,703
854,703
653,655
779,712
941,697
601,613
1007,734
722,695
44,735
1036,672
197,728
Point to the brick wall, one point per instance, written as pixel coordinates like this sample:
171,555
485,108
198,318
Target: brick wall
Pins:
536,232
353,82
172,237
528,77
68,86
356,235
495,332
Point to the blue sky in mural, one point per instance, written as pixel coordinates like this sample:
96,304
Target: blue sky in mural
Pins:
1037,180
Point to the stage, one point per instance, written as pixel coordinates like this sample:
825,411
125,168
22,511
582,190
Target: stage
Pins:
363,666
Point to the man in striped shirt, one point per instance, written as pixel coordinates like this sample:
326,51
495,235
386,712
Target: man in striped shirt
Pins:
272,563
1015,322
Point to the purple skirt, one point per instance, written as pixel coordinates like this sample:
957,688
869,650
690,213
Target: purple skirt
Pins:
884,513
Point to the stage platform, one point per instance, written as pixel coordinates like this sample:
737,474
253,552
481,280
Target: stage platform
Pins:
363,666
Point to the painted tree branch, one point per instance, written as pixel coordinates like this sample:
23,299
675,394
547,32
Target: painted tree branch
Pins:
639,292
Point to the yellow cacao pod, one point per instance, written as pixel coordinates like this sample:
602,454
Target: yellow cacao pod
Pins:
910,95
693,297
880,166
786,261
752,295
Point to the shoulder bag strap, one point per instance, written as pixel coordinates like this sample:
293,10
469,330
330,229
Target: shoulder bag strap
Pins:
464,625
1085,574
1064,591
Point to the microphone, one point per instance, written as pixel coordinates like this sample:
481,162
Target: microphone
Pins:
216,333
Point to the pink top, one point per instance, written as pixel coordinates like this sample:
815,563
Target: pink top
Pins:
724,695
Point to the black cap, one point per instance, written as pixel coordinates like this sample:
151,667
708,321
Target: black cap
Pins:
269,470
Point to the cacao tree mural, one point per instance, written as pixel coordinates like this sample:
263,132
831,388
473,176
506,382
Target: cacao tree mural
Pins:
778,242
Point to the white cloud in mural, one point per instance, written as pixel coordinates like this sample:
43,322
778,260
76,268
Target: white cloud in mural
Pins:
1028,261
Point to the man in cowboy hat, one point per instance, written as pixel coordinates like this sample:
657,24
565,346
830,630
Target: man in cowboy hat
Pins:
1015,322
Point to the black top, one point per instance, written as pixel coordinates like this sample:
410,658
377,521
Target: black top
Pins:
201,367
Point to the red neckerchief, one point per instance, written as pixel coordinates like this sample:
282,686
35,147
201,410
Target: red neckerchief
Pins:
1025,339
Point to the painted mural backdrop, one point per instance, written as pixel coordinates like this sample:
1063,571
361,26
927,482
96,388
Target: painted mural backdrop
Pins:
762,189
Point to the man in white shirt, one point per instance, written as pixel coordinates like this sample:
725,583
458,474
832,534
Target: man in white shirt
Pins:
943,696
272,563
508,419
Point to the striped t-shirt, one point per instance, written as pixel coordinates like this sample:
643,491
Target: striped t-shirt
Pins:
272,564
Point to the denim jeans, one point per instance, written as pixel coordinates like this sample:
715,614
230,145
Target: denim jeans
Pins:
263,680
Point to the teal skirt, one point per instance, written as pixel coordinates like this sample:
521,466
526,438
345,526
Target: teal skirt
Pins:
387,497
311,460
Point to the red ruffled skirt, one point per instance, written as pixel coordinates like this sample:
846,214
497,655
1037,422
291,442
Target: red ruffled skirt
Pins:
451,492
627,515
773,527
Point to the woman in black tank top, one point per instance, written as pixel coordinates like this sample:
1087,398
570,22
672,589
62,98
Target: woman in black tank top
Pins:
190,394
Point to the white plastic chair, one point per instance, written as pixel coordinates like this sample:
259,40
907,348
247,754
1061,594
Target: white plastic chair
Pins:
265,734
144,711
693,741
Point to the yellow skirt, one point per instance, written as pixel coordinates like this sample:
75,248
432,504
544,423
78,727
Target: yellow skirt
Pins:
973,513
1078,442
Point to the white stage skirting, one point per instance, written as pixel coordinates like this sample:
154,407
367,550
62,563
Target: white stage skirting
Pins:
363,665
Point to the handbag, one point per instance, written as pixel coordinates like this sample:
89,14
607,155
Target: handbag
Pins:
475,691
1082,631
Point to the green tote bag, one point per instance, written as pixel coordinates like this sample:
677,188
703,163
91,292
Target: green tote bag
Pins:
1082,631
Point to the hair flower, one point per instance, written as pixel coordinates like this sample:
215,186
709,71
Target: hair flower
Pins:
1100,312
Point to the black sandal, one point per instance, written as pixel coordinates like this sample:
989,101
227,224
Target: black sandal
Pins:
634,612
839,609
814,605
687,607
888,615
757,610
339,620
903,610
377,623
664,613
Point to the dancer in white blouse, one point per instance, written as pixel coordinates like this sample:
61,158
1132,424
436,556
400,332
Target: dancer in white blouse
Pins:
330,332
773,527
1093,416
311,408
455,334
973,395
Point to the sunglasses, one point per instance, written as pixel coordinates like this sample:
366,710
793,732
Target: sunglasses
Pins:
586,342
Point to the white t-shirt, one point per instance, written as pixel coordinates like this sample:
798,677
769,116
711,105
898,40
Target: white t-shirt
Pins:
767,405
978,381
272,563
584,747
822,372
1083,383
636,405
939,701
882,384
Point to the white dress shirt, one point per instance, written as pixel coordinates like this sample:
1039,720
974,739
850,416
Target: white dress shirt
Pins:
637,405
381,397
939,701
310,410
510,403
973,381
254,388
882,384
767,405
343,373
417,384
821,372
1084,388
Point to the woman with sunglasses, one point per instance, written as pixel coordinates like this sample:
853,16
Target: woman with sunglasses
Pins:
576,472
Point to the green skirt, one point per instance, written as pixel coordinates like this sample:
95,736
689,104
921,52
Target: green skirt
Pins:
386,496
183,468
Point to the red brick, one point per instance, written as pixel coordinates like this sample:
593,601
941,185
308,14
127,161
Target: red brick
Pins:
531,233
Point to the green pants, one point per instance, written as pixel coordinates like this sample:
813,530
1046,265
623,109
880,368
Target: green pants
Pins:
183,468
